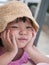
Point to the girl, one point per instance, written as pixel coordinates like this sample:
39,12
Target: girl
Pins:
18,31
17,27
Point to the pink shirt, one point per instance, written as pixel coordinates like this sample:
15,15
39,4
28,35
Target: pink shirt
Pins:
23,59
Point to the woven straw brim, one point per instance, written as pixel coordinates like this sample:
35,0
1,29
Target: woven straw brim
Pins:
13,10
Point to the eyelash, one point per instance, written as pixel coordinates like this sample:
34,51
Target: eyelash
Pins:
14,27
28,27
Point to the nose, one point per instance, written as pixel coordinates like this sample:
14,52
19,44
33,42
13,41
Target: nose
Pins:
23,32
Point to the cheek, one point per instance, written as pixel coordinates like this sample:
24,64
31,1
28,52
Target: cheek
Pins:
34,34
15,32
30,35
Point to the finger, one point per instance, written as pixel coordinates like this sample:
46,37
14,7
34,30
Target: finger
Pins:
33,37
8,36
9,42
14,40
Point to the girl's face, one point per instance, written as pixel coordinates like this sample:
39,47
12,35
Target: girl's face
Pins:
23,32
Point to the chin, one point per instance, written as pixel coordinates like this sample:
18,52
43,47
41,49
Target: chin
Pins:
21,46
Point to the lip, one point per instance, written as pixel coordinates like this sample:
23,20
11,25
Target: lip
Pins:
22,39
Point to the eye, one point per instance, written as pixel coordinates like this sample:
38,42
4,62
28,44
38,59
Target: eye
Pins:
28,27
14,27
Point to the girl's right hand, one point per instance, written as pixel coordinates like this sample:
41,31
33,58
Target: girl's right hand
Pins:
9,41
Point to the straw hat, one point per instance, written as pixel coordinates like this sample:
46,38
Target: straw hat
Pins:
13,10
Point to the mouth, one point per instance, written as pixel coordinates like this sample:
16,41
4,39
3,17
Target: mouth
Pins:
22,39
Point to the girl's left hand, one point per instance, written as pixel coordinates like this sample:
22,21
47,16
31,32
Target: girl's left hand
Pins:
30,43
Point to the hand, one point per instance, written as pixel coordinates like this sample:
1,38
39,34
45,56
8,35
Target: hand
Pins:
35,49
30,43
9,41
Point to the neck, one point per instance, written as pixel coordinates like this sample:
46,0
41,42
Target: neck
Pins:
19,54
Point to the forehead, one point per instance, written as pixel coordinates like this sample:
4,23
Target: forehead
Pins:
21,21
